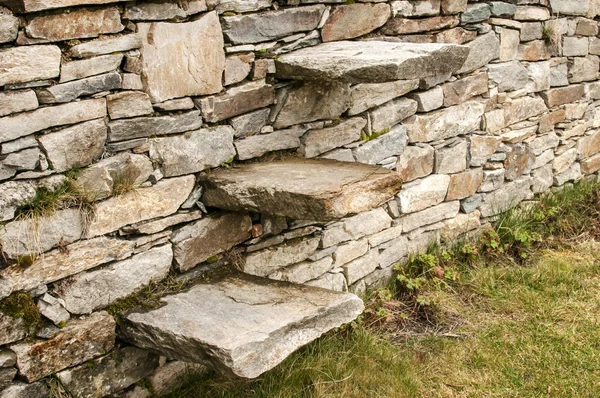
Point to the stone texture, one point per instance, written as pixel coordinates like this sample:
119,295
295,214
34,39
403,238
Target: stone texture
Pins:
23,390
316,142
35,236
29,63
415,162
542,179
461,90
92,290
389,144
429,100
590,165
80,340
289,316
100,180
356,227
76,146
531,13
109,374
482,50
196,242
584,69
392,113
59,264
128,104
501,9
313,101
536,50
465,184
236,101
589,145
421,194
509,44
492,180
258,145
17,101
176,64
369,95
572,174
265,26
163,11
522,109
404,26
451,159
361,267
194,151
270,260
354,20
446,123
509,76
22,124
517,162
506,196
304,271
168,377
431,215
76,24
564,95
475,13
106,46
180,104
415,9
140,127
562,162
238,6
53,309
568,7
543,143
482,148
301,189
237,67
160,200
575,46
6,377
453,6
371,61
9,26
81,69
12,329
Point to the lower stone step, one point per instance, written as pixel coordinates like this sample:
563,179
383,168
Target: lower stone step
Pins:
302,189
240,324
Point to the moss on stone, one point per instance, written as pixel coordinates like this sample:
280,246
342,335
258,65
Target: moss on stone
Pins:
21,305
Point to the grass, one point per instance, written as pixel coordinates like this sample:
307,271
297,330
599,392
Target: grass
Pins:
515,314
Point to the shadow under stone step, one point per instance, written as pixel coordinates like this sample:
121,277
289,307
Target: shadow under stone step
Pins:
240,324
302,189
371,61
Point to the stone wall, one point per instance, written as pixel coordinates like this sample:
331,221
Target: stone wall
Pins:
126,108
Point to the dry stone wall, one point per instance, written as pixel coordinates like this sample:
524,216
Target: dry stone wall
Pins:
113,114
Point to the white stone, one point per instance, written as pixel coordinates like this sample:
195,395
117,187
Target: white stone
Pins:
424,193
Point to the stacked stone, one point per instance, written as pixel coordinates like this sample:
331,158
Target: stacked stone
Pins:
156,94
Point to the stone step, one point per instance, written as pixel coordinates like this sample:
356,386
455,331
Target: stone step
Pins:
302,189
240,324
371,61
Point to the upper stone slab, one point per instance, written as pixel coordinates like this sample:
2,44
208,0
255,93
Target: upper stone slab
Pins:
241,324
371,61
301,189
25,6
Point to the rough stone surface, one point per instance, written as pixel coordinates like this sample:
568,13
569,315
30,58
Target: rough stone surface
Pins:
431,215
509,76
572,174
9,25
564,95
355,227
199,327
163,11
109,374
80,69
568,7
22,124
76,24
314,101
107,46
17,101
415,162
270,260
353,20
509,44
464,89
80,340
301,189
465,184
12,329
237,67
316,142
256,28
429,100
128,104
542,179
445,123
392,113
404,26
23,390
482,50
29,63
506,196
258,145
236,101
475,13
389,144
196,242
304,271
482,148
369,95
176,64
522,109
194,151
76,146
584,69
147,126
160,200
517,162
421,194
371,61
452,158
589,145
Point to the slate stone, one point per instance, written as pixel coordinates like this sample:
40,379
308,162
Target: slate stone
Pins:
106,46
139,127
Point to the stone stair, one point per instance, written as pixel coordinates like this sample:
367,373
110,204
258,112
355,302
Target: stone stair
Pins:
240,324
302,189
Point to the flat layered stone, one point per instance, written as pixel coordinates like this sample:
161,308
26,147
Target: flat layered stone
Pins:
196,242
407,8
128,104
106,46
420,194
506,196
391,113
236,101
237,67
452,158
369,95
583,69
482,50
389,144
240,325
301,189
250,123
404,26
22,124
27,6
9,26
76,24
76,146
316,142
58,264
509,76
29,63
92,290
176,64
163,11
270,25
482,148
194,151
24,390
304,271
590,165
270,260
522,109
589,145
238,6
465,184
11,329
415,162
355,227
563,95
475,13
17,101
81,69
80,340
159,200
429,216
371,61
568,7
127,129
257,145
354,20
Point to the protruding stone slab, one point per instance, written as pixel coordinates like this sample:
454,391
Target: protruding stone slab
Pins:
301,189
371,61
25,6
240,324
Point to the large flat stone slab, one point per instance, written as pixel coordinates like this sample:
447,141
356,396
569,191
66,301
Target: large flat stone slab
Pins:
371,61
240,324
301,189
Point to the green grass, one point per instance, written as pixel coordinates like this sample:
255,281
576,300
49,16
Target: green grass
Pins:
515,314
